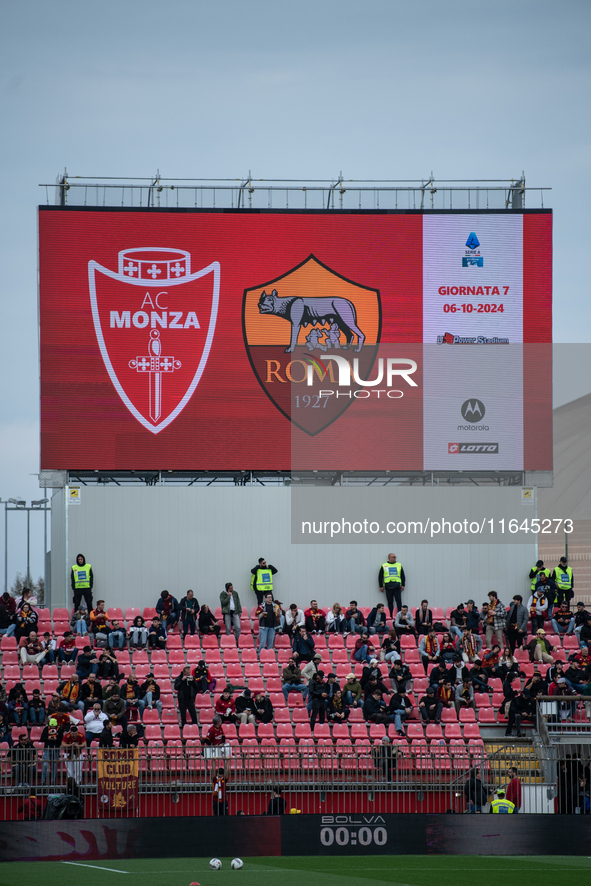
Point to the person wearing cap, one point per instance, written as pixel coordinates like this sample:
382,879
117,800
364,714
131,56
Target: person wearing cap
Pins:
539,648
429,649
311,668
51,737
501,804
392,580
516,623
430,708
535,573
563,621
245,707
332,686
565,582
384,757
375,709
371,671
231,609
353,692
87,663
292,680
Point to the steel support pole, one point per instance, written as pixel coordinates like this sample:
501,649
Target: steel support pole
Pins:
28,577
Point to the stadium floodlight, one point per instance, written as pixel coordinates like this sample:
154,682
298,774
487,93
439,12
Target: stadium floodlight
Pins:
41,501
17,502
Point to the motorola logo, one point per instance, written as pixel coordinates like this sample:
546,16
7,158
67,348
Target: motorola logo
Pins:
473,410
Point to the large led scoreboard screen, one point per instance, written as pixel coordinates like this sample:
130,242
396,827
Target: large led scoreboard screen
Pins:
180,340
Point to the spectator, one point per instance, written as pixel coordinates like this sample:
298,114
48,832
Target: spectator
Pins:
507,663
404,622
464,696
294,619
400,708
516,623
337,708
537,606
72,744
376,620
116,635
472,617
130,692
563,621
491,662
583,658
91,692
23,756
430,707
36,709
185,686
225,707
292,680
114,708
458,618
392,580
157,635
204,682
281,611
335,620
94,723
244,707
318,696
439,675
475,792
220,804
513,792
586,693
51,737
231,609
479,678
353,692
8,600
207,622
554,671
262,579
495,621
375,710
370,684
574,677
69,692
31,650
7,624
311,668
80,622
25,621
448,649
129,737
585,633
539,648
49,647
276,803
138,633
423,619
55,708
548,587
108,665
315,619
429,648
189,610
82,581
99,622
331,687
565,581
263,708
400,676
150,694
5,730
168,610
303,645
105,738
268,616
471,644
384,758
360,650
391,647
17,709
581,616
445,693
87,663
354,618
67,650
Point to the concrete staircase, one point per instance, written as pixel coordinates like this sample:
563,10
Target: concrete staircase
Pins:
551,548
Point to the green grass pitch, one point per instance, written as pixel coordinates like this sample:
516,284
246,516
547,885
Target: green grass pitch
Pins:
399,870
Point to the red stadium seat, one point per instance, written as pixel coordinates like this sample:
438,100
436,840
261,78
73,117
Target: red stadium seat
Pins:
467,715
471,730
302,730
433,730
284,730
486,716
453,730
172,732
228,641
265,730
414,731
358,731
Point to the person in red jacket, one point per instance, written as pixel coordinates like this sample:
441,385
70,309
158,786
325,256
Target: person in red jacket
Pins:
315,619
514,790
225,706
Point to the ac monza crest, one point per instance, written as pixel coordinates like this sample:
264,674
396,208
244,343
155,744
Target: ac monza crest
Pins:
298,328
154,320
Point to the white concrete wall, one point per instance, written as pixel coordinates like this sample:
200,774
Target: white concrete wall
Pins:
140,541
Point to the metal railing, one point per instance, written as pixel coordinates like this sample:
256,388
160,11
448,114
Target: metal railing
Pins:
248,193
176,780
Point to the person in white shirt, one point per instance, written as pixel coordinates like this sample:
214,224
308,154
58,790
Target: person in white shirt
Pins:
335,620
294,618
94,724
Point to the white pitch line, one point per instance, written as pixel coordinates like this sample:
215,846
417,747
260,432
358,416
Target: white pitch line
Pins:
79,864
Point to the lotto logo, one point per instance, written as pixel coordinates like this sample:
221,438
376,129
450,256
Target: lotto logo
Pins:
453,448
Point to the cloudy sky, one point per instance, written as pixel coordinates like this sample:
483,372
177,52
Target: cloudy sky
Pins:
379,89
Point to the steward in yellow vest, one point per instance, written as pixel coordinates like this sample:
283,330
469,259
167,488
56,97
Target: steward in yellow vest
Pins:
501,804
82,580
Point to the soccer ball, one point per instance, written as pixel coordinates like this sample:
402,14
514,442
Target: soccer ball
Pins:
236,864
215,864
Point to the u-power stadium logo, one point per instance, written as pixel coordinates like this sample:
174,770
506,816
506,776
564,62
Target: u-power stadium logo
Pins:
472,257
312,338
154,320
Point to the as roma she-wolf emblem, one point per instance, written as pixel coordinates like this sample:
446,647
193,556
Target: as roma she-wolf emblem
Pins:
154,320
293,322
